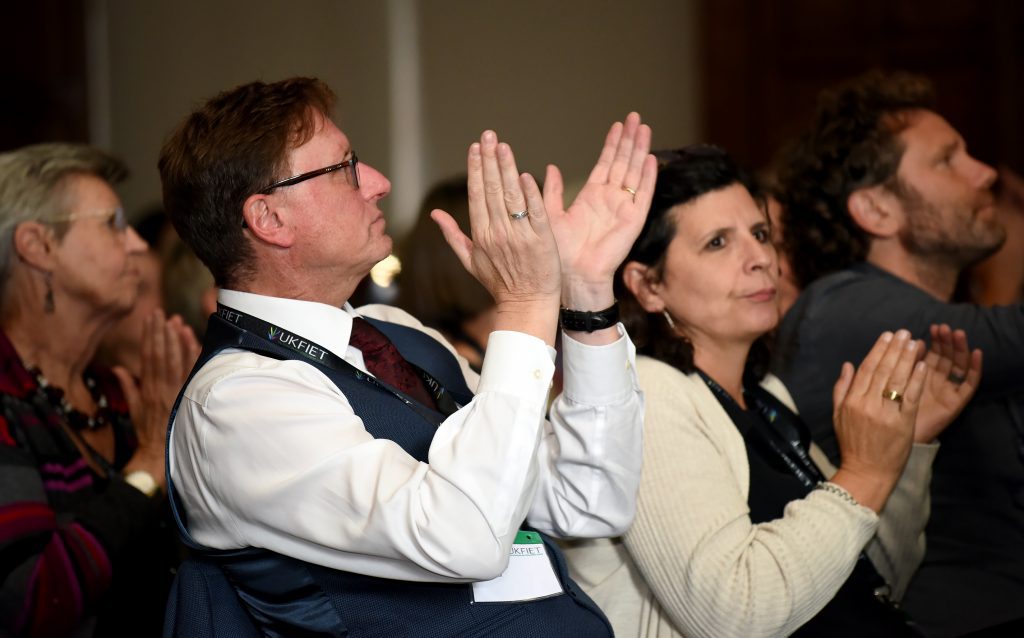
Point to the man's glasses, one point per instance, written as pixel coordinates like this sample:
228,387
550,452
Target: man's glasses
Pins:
350,166
116,218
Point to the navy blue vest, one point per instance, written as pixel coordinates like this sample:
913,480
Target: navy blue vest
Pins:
284,596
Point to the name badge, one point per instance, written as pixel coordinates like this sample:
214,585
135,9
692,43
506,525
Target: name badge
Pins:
529,575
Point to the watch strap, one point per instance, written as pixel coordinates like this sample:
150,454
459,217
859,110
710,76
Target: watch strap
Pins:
142,481
589,321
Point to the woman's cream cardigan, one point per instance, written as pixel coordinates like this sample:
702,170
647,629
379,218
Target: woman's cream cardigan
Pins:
693,564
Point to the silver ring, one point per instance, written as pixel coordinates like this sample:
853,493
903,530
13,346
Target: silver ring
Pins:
957,378
519,215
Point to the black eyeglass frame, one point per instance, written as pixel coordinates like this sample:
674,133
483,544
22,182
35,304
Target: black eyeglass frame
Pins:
301,177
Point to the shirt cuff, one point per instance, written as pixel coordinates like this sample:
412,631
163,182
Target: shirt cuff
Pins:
518,364
599,375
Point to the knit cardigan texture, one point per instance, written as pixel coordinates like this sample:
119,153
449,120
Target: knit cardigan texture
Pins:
693,564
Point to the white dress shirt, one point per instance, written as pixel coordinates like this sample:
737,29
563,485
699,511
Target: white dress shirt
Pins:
268,453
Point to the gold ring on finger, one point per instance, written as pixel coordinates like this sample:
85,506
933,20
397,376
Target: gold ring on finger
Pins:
893,395
631,191
520,214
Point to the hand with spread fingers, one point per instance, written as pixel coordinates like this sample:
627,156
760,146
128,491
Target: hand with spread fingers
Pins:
595,232
954,372
511,250
874,411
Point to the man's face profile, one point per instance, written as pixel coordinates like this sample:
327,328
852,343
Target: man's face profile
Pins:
338,224
945,194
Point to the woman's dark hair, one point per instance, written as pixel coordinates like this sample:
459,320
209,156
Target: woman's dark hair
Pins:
434,286
684,175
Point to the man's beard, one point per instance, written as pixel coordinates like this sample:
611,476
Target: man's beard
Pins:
958,239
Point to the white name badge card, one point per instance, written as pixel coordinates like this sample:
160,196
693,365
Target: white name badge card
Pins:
529,574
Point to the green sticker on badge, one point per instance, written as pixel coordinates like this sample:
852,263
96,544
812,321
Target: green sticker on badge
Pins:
528,538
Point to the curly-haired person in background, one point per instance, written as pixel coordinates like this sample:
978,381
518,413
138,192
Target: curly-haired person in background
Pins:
884,207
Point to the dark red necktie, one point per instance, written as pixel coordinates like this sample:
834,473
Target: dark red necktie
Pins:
386,363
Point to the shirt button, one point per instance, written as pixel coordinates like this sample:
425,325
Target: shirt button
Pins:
536,374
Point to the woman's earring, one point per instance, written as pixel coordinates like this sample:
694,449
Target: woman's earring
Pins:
672,325
668,318
48,306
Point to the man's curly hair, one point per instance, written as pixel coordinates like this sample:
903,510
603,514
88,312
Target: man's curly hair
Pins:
852,143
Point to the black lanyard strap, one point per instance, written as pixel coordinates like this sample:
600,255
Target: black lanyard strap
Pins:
318,355
786,435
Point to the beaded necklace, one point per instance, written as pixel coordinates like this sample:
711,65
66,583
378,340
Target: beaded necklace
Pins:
74,417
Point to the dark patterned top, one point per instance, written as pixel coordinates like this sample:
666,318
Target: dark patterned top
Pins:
65,530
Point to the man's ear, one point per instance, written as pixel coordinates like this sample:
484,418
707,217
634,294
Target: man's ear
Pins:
266,222
876,210
640,281
34,243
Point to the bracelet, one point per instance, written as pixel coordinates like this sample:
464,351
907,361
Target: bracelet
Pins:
832,488
587,321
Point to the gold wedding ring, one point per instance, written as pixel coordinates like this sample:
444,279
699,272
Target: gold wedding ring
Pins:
629,190
519,215
893,395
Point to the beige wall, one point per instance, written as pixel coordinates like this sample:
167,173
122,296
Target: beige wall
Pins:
548,76
551,76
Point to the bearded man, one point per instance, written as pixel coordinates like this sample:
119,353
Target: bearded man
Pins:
884,207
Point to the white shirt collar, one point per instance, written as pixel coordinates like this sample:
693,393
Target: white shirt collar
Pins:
320,323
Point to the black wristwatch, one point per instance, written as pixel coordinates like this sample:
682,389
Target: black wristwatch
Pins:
586,321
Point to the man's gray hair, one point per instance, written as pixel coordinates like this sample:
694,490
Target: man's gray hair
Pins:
33,187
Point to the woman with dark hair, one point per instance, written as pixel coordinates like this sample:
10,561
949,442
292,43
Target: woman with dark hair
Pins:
743,528
435,288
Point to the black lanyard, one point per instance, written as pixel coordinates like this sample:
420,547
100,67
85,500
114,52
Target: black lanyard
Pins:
317,354
784,436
